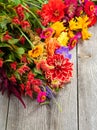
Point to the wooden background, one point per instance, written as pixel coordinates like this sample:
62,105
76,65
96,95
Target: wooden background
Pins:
78,99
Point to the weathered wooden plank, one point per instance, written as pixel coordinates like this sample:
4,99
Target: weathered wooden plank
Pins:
3,111
87,83
34,117
67,98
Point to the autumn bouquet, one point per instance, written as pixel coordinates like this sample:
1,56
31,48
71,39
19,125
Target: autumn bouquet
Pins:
35,39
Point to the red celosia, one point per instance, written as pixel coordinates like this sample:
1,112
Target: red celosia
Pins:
7,37
61,68
22,40
36,89
15,20
13,79
52,11
89,8
24,68
19,9
13,65
1,62
21,16
25,24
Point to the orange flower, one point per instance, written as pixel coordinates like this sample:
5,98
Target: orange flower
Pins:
36,51
52,43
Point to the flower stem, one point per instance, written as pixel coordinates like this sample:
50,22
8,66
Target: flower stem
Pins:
34,16
33,4
26,37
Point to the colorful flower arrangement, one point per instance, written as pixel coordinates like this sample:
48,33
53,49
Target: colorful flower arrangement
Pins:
35,42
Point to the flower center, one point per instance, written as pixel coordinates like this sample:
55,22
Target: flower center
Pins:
43,98
56,13
91,7
82,1
74,42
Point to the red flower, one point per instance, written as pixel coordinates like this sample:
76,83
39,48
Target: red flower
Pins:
36,89
21,16
1,62
89,8
13,79
93,20
23,69
61,68
22,40
25,24
13,65
52,11
16,20
19,9
7,37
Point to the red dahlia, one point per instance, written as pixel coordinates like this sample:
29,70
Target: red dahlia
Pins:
61,68
52,11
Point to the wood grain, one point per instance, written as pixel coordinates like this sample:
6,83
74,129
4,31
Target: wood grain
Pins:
3,111
87,82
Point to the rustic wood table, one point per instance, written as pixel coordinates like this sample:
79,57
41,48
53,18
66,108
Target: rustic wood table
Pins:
78,99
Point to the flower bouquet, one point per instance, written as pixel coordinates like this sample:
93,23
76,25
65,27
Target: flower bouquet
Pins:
35,39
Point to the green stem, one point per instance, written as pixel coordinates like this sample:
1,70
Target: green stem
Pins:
40,1
34,16
33,5
26,37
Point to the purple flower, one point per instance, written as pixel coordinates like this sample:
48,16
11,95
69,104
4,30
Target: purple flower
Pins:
46,33
64,51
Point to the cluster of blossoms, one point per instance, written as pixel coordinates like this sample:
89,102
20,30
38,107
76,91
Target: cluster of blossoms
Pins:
35,45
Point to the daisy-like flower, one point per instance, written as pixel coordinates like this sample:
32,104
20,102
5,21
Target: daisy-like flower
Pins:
46,33
52,11
73,42
85,34
89,8
36,51
62,68
58,27
41,97
63,39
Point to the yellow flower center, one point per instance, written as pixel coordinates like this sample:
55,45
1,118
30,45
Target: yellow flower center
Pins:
43,98
56,13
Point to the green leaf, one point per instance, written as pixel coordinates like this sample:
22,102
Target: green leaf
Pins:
5,45
20,51
17,75
37,71
13,41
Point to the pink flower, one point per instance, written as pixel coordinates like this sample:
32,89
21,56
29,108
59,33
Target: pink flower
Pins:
1,62
41,97
46,33
79,11
73,42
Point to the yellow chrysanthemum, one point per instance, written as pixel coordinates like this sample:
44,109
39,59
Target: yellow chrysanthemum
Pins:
36,51
58,27
63,39
85,34
71,34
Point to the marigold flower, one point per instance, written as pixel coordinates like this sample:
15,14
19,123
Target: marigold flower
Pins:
36,51
41,97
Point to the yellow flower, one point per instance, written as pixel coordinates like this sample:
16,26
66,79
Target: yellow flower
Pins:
71,34
58,27
85,34
36,51
63,39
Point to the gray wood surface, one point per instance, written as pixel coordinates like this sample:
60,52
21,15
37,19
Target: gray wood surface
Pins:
87,82
78,100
